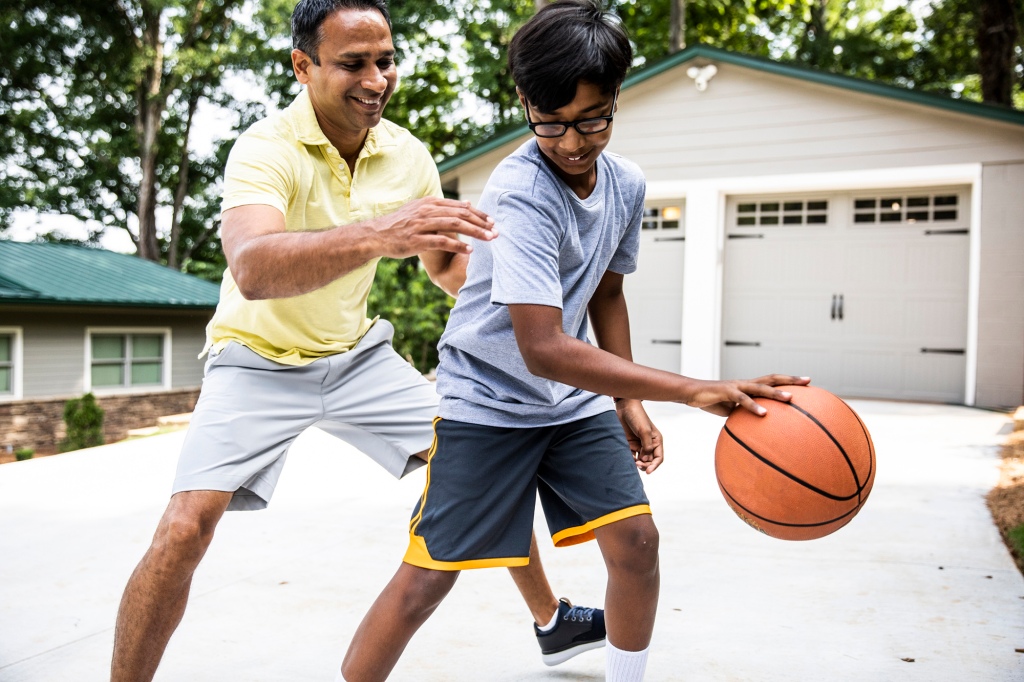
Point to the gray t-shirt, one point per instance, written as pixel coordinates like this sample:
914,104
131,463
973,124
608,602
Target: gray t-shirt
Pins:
553,250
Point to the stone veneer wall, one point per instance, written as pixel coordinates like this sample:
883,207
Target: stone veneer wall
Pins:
39,424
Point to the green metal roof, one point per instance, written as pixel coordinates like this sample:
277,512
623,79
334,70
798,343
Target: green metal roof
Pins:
64,274
989,111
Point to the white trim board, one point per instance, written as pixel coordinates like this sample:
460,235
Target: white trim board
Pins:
17,363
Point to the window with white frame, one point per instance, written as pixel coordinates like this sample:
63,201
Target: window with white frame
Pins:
782,212
907,209
663,216
10,362
134,359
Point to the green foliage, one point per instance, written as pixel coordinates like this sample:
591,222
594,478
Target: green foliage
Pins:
404,295
83,419
1016,539
21,454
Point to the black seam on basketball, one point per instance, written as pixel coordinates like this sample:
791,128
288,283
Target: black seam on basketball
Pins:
849,463
871,449
785,473
782,523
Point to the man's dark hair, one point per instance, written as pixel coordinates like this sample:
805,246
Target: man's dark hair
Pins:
309,15
564,43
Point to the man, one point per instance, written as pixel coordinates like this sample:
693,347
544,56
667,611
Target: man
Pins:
312,199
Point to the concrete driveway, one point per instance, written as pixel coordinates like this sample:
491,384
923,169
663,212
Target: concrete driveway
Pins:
917,587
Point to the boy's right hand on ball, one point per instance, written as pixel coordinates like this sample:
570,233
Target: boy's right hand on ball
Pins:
721,397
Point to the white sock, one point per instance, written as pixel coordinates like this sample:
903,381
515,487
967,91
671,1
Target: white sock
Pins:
624,666
551,623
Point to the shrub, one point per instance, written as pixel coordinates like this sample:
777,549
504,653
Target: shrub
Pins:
84,420
22,454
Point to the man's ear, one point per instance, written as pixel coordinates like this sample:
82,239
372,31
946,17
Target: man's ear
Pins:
300,66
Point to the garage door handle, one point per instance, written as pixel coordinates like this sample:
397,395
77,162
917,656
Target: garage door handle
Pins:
670,239
841,306
670,342
743,343
746,236
835,303
944,351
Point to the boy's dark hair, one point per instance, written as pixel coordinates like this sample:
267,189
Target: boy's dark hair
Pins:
564,43
309,15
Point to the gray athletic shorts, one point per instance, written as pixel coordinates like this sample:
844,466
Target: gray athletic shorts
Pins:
251,409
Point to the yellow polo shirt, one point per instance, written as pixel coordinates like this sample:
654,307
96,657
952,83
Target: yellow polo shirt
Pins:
286,161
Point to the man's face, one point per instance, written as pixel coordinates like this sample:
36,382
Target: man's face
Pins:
356,75
574,154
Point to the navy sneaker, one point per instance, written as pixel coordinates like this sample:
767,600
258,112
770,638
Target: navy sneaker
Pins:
577,629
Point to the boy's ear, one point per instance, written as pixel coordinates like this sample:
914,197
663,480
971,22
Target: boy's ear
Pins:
521,96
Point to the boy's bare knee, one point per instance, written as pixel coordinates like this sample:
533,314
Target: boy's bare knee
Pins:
635,546
426,590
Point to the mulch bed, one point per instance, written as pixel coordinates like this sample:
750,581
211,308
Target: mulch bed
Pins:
1007,499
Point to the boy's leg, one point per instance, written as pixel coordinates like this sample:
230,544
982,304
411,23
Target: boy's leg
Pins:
375,400
404,605
630,550
155,597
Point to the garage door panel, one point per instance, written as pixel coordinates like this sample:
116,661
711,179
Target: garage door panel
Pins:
939,263
898,269
935,377
875,266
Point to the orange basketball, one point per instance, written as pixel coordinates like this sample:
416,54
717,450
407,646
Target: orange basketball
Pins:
801,471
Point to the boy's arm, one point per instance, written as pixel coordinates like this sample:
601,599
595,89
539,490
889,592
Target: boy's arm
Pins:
553,354
446,269
610,320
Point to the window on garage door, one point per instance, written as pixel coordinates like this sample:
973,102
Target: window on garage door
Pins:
939,208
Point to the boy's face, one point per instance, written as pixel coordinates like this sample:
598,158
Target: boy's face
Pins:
574,154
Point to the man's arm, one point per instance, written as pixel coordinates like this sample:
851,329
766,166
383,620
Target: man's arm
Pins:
266,261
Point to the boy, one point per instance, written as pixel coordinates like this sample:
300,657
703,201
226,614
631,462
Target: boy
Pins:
524,406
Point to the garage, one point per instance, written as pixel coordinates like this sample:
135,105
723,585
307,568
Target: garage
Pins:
654,293
866,291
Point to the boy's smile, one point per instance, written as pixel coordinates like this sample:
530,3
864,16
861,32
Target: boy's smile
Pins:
573,155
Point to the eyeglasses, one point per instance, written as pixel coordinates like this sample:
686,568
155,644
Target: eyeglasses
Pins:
586,126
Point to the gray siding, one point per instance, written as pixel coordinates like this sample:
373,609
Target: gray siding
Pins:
1001,309
54,345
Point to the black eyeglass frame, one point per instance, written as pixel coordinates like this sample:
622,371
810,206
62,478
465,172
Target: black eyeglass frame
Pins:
533,125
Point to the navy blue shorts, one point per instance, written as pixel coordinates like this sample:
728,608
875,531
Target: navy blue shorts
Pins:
477,508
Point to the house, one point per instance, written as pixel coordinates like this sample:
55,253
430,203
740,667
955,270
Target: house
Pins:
75,320
868,236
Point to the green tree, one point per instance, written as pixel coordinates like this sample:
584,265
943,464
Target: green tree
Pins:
404,295
102,98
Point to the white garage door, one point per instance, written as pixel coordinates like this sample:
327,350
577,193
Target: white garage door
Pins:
865,292
654,293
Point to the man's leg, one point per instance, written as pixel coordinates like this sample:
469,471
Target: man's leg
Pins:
155,597
630,550
396,615
533,585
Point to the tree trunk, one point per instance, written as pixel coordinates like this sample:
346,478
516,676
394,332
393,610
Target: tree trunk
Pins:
677,27
997,35
182,190
148,122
